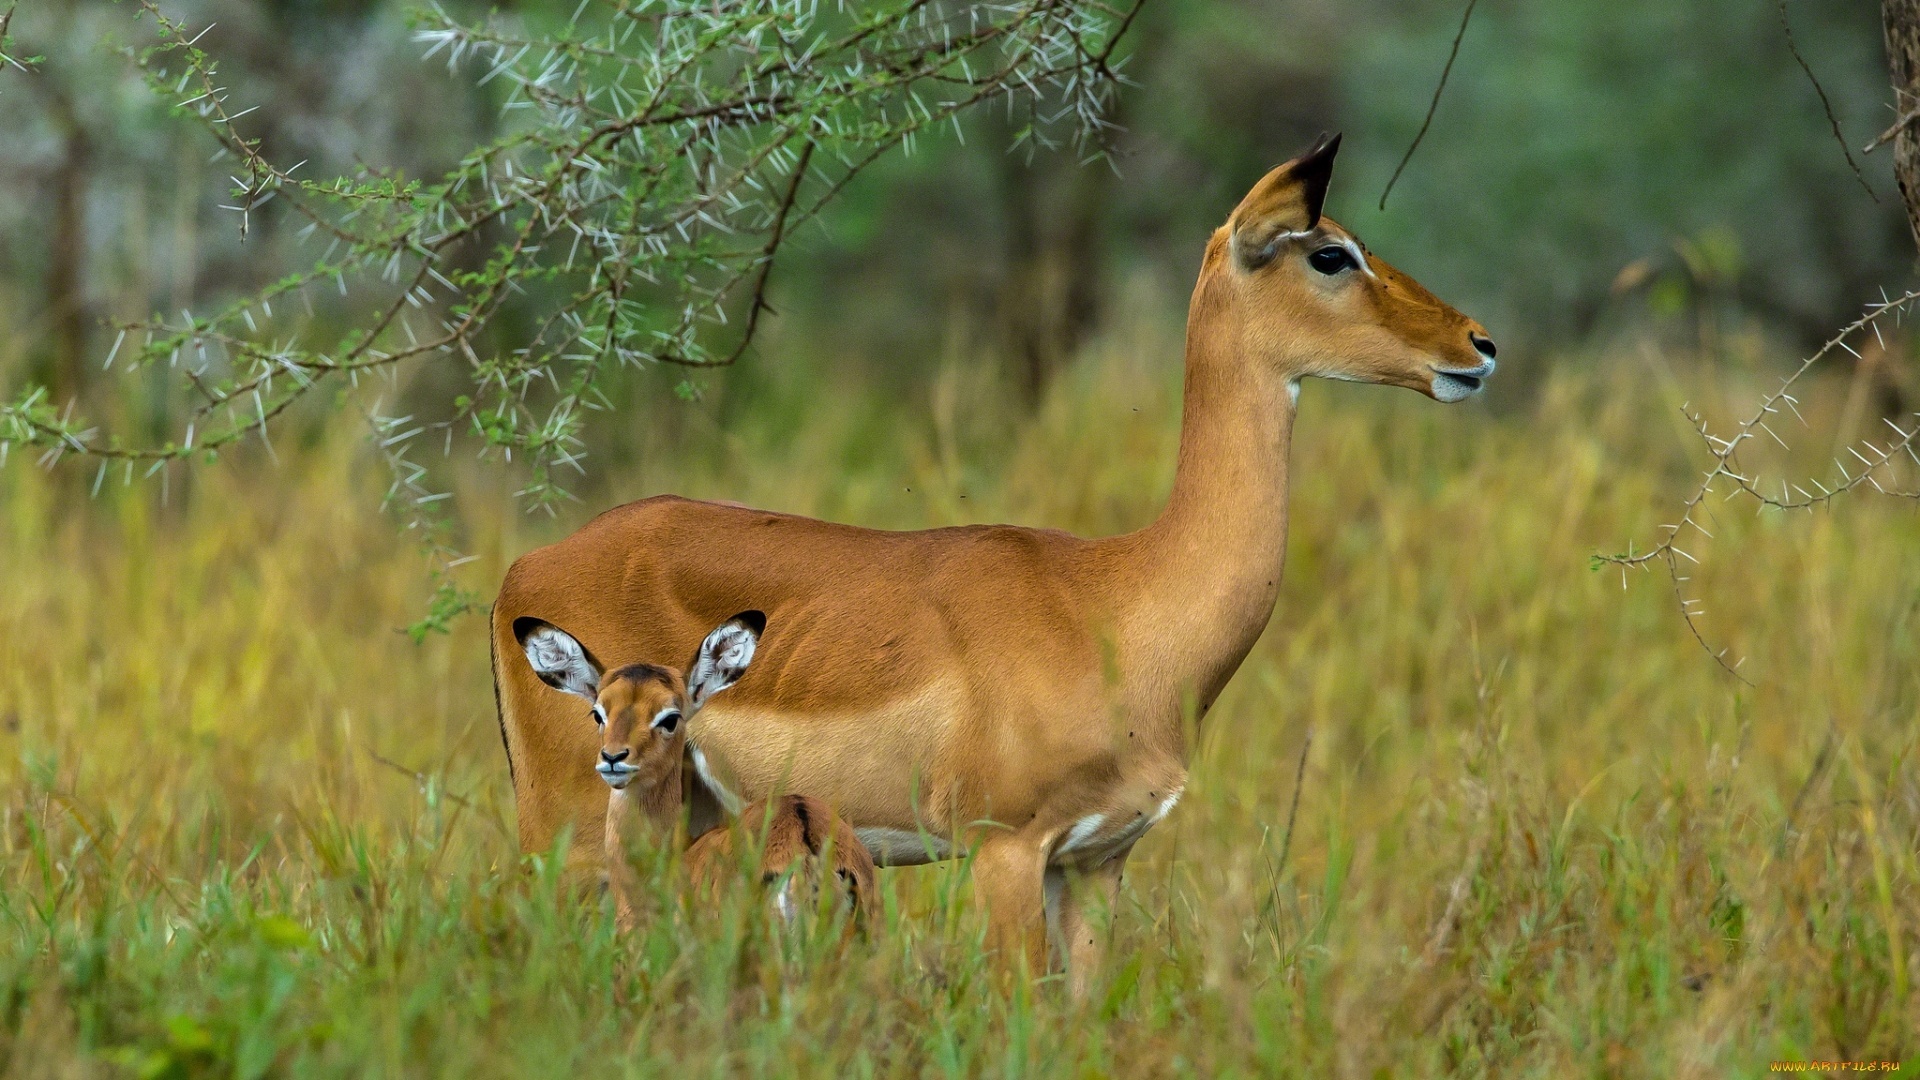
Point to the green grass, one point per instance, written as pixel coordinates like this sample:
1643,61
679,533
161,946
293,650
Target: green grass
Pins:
1539,833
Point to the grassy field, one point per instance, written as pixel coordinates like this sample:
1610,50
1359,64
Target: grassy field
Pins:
247,828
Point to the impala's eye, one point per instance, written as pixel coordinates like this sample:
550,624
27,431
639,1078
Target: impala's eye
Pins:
1331,259
599,717
667,722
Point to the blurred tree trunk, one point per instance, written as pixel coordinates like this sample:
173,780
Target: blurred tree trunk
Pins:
64,373
1054,206
1901,22
1050,281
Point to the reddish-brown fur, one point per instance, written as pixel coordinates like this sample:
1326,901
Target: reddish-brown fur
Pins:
804,847
1019,691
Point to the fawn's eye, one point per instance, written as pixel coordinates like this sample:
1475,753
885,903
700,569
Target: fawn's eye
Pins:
1331,259
599,717
667,722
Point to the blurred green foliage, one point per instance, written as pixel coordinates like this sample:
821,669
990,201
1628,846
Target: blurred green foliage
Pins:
1573,140
1592,171
1577,138
653,160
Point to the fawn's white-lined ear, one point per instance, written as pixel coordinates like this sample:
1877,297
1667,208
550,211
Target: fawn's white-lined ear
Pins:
559,660
723,657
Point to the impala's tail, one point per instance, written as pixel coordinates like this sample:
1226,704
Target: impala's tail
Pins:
499,701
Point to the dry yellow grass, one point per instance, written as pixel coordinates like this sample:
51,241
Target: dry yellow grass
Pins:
1539,833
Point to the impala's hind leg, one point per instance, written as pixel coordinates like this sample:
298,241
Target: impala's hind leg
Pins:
1008,871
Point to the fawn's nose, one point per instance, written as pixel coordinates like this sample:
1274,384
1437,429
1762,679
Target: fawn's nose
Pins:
1483,345
613,758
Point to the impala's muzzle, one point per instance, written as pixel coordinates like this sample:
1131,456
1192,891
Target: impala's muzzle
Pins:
1458,384
613,768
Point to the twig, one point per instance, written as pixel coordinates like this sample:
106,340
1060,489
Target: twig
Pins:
1432,105
1820,762
1893,130
465,804
1456,894
1269,908
1826,105
767,255
562,187
419,778
1293,811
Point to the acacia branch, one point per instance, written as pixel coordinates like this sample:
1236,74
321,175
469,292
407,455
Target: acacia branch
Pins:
1724,465
613,215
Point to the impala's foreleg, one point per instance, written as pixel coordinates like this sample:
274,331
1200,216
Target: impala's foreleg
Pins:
1008,874
1080,905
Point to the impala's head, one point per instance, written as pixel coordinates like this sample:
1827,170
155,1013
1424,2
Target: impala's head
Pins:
1314,300
642,709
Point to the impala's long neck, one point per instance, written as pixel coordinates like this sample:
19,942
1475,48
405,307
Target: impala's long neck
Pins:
1210,565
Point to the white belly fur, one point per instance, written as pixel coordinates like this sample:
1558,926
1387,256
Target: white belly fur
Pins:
870,765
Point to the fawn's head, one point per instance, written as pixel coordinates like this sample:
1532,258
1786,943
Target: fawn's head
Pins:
642,709
1300,291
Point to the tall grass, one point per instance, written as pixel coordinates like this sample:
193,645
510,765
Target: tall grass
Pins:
250,829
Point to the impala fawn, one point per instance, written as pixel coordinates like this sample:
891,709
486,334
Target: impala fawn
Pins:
643,711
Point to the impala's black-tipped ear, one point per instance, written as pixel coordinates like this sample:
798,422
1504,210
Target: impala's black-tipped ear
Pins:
1285,202
723,657
1314,169
560,661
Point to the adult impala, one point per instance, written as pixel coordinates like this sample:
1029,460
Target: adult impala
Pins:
1017,690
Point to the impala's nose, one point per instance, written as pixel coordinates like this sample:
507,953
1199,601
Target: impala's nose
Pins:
612,758
1482,344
